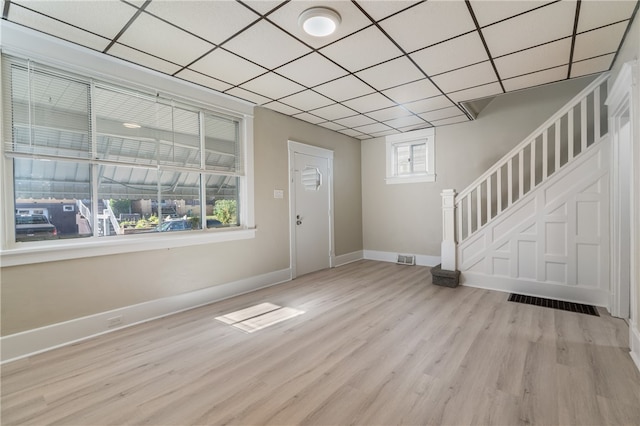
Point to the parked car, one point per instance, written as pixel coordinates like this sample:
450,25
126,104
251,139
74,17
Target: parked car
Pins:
175,225
34,227
213,223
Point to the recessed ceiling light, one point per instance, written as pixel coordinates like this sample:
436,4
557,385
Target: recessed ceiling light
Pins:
319,21
131,125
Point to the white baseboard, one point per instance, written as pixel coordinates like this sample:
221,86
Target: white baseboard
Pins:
590,296
343,259
31,342
385,256
634,344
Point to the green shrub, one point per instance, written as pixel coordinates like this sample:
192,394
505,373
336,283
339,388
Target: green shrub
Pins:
226,211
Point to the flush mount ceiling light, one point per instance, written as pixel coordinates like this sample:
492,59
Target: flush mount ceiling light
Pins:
131,125
319,21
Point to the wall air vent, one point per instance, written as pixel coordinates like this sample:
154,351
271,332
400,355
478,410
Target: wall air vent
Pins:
406,259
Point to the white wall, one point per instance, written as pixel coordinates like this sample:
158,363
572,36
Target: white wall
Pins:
406,218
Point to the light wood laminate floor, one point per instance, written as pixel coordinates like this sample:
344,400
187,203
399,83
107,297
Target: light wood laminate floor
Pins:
378,344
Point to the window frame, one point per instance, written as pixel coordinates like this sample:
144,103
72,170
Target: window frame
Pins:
25,44
417,137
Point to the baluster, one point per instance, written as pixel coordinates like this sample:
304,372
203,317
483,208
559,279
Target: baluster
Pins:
557,147
479,206
509,182
520,173
545,154
533,164
570,135
499,190
583,124
469,229
458,205
596,114
489,198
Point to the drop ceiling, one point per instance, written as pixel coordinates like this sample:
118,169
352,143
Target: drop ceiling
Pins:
392,66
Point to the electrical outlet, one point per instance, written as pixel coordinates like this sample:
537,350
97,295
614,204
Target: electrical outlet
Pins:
115,321
278,193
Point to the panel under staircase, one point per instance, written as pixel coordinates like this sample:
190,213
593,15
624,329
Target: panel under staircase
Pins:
537,222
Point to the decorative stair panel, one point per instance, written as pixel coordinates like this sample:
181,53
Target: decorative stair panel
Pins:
552,244
537,222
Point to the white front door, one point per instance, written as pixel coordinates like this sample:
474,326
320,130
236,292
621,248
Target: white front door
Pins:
311,209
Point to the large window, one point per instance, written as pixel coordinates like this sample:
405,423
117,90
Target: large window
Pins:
411,157
90,159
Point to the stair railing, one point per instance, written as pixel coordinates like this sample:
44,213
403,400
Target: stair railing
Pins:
560,139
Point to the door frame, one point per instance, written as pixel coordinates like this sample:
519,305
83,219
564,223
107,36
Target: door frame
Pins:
621,102
301,148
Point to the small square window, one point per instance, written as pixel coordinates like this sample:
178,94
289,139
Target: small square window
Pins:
410,157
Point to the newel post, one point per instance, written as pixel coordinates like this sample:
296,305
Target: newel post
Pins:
448,247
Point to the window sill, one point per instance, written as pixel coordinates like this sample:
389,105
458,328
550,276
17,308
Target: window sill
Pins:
392,180
102,246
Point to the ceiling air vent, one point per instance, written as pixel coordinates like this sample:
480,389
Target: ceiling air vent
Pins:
406,259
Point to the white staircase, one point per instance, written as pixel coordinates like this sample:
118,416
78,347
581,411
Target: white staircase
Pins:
537,222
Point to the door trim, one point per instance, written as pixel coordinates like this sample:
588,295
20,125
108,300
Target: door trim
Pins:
301,148
621,101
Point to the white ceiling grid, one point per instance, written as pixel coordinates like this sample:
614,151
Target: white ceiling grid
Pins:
391,66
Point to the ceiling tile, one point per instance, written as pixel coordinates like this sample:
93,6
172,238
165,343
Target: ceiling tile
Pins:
389,113
284,109
352,133
227,67
344,88
599,42
452,120
203,80
476,92
393,73
22,16
267,45
404,121
333,112
373,128
355,121
311,70
215,21
557,20
441,114
410,92
488,12
140,58
429,23
248,96
309,118
474,75
535,59
415,127
160,39
263,6
591,66
272,86
382,9
388,132
595,14
459,52
104,18
369,102
362,49
331,125
306,100
352,20
424,105
536,78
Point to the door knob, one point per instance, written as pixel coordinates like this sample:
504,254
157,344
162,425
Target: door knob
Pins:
298,222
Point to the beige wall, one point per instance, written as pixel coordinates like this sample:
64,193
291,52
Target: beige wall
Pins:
631,52
407,217
46,293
